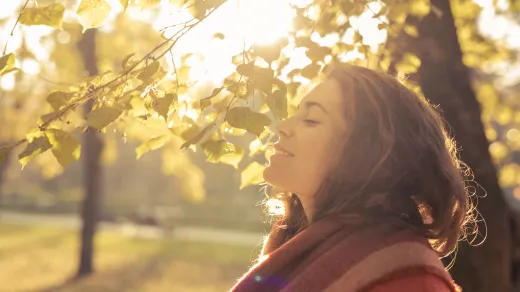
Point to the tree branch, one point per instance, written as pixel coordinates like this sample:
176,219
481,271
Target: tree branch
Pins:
14,27
99,90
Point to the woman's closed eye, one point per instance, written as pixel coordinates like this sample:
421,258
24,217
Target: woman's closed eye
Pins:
310,122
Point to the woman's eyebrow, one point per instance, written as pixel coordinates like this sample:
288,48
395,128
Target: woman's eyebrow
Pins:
309,104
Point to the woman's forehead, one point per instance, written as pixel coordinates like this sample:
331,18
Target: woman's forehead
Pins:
327,93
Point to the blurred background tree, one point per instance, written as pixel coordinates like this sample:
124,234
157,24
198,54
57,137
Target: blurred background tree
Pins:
198,85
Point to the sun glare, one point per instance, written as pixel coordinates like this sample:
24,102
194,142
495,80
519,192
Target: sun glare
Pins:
265,20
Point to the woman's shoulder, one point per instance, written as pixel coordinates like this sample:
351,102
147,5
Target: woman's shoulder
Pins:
423,282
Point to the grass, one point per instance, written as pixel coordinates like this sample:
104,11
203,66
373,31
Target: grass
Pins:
45,259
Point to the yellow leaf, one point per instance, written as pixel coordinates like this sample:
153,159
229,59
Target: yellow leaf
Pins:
124,3
504,115
498,151
277,103
163,104
57,99
409,64
508,175
93,13
245,118
64,146
253,174
149,71
246,69
7,64
196,139
310,71
102,117
234,158
411,30
152,144
126,60
51,15
358,38
420,8
36,146
255,147
215,150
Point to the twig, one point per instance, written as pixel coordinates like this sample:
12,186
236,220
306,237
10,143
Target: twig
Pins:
99,90
55,82
176,74
234,96
14,27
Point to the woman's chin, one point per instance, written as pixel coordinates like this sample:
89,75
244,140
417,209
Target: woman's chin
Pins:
273,177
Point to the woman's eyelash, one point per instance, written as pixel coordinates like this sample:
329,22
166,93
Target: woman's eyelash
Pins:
310,121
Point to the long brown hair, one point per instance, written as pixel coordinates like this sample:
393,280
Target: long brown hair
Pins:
398,163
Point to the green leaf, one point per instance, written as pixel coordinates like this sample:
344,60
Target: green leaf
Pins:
277,103
152,144
206,102
310,71
196,139
57,99
408,64
318,53
411,30
163,104
269,53
216,149
219,36
49,116
124,64
93,13
247,70
253,174
96,80
358,38
265,84
420,8
149,71
102,117
64,146
245,118
215,92
4,152
239,89
124,3
6,64
234,158
37,146
187,130
382,26
198,9
51,15
147,3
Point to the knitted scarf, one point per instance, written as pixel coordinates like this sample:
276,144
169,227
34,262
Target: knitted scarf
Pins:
329,257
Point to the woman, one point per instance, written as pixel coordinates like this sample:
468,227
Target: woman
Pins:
373,192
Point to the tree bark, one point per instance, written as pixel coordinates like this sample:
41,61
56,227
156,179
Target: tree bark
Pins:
445,80
3,168
91,155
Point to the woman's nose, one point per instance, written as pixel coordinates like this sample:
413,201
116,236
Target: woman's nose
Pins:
283,128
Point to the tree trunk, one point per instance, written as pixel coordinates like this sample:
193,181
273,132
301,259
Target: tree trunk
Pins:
445,81
91,155
3,168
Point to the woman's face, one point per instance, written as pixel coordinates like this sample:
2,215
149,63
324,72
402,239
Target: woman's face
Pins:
309,142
